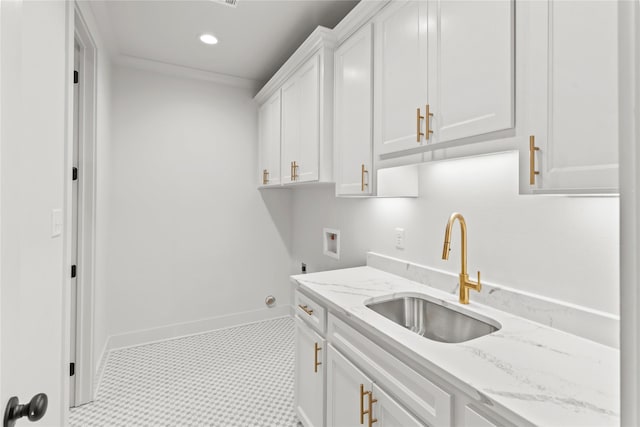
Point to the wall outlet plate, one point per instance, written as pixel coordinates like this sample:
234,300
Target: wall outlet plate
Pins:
399,238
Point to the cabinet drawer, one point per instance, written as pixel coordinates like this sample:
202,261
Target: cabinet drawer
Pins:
425,399
474,419
311,312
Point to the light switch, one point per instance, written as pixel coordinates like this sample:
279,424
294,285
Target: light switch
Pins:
400,238
56,222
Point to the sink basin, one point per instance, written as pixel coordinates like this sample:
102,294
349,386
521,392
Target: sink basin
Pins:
431,320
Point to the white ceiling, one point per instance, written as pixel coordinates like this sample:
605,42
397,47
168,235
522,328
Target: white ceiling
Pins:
256,37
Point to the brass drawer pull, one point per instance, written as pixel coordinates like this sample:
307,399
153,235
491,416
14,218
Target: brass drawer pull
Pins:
295,171
428,114
418,118
315,362
532,160
306,309
265,176
370,410
362,411
363,172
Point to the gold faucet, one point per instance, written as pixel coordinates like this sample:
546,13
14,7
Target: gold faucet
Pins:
465,283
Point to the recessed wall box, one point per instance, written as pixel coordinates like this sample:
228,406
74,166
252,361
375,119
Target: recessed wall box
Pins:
331,242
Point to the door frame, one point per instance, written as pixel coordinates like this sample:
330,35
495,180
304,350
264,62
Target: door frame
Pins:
87,154
629,155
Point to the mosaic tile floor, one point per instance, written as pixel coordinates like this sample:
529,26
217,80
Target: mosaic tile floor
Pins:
241,376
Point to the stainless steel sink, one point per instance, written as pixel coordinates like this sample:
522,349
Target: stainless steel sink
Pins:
431,320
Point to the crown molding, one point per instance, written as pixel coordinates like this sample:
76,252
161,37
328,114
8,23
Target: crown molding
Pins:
321,37
364,11
180,71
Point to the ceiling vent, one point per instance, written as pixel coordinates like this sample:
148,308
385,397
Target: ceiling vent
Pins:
231,3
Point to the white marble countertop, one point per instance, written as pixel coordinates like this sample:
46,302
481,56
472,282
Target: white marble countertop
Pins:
543,375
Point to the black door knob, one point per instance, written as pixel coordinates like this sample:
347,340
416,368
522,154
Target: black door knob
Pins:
34,410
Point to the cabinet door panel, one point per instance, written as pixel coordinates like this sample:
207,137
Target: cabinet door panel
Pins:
390,413
583,107
471,67
343,390
309,380
309,121
400,75
269,119
290,128
353,111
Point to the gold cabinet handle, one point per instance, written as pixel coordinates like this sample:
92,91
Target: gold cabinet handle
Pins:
306,309
315,362
418,118
295,170
370,410
362,411
532,160
265,176
428,114
363,172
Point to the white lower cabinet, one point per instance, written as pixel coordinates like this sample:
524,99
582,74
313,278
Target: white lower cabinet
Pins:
353,399
309,375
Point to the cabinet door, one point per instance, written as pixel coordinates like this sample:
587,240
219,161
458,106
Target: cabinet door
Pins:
343,391
572,98
290,128
309,115
471,67
400,75
389,412
269,141
309,376
352,114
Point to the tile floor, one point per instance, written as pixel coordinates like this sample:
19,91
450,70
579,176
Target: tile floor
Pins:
241,376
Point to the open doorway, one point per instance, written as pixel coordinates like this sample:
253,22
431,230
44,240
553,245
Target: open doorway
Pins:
82,192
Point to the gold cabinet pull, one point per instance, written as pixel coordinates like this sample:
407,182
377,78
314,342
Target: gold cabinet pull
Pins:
418,118
291,172
427,115
362,411
315,362
370,410
363,172
265,176
532,160
295,170
306,309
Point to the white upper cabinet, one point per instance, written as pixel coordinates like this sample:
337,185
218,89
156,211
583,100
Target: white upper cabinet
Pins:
305,85
471,68
444,70
571,92
300,124
401,79
269,141
353,109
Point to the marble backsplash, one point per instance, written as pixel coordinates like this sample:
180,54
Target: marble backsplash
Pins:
591,324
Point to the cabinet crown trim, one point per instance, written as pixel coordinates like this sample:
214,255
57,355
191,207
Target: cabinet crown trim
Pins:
321,37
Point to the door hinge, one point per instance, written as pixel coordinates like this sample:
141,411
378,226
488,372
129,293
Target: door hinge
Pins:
72,369
75,77
73,271
75,173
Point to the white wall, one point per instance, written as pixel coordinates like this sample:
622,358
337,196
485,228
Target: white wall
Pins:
190,236
564,248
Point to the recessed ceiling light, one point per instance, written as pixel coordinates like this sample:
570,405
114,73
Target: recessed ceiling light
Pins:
208,39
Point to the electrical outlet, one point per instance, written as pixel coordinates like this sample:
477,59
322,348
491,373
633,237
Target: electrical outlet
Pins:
399,238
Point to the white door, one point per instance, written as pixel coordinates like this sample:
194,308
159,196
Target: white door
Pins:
353,113
290,129
309,375
390,413
269,144
345,401
572,97
35,94
307,161
400,74
471,67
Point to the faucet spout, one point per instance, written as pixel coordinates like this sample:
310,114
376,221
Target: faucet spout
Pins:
465,282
